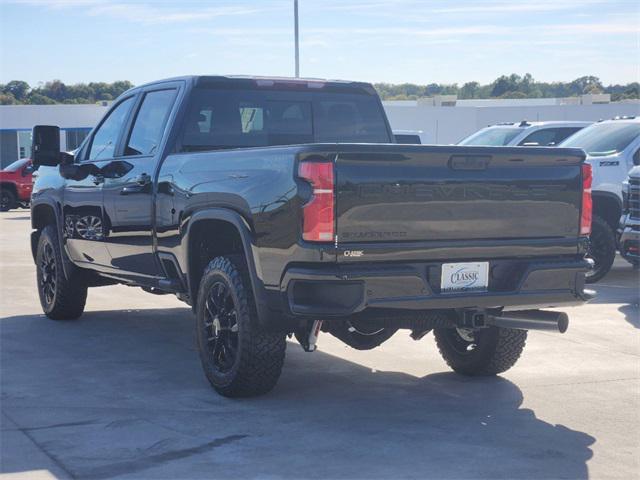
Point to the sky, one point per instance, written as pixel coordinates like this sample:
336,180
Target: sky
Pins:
395,41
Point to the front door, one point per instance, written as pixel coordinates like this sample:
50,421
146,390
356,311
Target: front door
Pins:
128,198
86,226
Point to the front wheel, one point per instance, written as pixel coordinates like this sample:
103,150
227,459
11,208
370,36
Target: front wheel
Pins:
486,351
7,200
602,249
61,297
239,358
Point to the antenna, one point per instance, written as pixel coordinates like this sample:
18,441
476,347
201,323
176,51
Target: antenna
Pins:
295,20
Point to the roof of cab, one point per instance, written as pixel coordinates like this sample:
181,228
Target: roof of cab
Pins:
527,124
265,82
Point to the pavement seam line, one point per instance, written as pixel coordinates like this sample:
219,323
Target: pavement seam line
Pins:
52,457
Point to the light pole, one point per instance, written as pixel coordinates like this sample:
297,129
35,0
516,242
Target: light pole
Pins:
295,20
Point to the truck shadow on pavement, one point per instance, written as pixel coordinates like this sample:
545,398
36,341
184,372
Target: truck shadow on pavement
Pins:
121,393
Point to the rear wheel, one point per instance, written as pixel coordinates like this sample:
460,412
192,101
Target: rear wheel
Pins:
7,200
239,358
486,351
61,297
602,249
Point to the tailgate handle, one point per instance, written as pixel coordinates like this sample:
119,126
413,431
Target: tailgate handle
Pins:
469,162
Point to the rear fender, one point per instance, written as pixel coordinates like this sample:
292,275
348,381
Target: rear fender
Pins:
249,249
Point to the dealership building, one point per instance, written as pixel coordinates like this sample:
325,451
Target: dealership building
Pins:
440,120
16,122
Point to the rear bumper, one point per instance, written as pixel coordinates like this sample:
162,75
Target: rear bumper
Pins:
341,290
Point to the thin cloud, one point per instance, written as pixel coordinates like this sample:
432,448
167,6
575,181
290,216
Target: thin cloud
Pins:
146,13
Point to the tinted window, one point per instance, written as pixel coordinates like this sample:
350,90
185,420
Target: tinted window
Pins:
105,138
407,138
604,138
548,136
150,122
492,136
246,118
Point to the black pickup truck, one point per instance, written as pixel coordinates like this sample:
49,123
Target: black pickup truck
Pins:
280,207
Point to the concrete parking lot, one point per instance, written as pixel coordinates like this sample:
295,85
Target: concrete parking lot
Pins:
120,394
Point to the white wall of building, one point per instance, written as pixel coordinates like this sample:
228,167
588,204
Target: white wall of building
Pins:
445,125
20,117
441,125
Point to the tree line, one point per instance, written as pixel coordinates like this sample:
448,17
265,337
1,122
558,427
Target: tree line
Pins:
510,86
18,92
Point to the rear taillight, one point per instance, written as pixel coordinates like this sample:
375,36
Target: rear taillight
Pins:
318,218
587,202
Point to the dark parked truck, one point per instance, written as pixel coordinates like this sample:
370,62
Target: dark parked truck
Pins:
279,207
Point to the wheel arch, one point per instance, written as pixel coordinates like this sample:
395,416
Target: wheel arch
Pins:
608,206
9,186
218,232
42,214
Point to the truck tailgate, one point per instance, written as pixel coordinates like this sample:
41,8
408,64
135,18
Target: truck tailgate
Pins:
396,193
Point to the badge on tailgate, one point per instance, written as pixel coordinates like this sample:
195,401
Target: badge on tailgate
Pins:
464,277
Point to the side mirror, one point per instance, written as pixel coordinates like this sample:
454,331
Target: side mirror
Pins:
28,170
636,157
45,147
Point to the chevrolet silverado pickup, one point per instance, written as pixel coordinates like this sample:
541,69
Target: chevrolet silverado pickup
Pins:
282,208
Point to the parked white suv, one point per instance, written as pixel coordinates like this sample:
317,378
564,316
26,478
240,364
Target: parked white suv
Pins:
612,148
528,134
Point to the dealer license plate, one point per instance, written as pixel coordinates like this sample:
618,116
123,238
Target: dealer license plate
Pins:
464,277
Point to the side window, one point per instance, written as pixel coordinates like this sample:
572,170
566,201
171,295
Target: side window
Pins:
151,119
549,136
540,138
564,133
252,118
104,140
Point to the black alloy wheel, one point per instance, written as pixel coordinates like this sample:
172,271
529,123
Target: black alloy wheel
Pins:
221,327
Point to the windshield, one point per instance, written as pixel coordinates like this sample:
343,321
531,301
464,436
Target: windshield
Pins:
17,165
602,139
492,136
254,118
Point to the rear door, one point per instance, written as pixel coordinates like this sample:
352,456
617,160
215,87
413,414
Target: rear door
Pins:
128,194
393,193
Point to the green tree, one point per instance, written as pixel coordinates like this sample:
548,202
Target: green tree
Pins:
7,99
17,88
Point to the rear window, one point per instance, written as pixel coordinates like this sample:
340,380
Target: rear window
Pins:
602,139
492,136
253,118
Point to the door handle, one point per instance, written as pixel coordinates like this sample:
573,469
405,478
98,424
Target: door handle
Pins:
139,185
98,179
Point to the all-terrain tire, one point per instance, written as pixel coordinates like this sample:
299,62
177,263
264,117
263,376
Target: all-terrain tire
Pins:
495,350
250,360
7,200
602,249
61,297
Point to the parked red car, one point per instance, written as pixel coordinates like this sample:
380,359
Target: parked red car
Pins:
16,184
